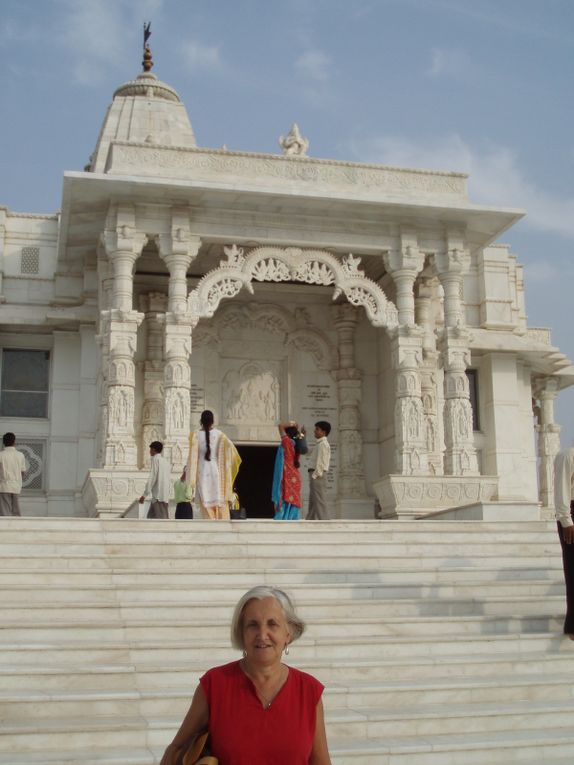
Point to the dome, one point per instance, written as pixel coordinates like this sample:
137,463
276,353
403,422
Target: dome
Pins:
143,110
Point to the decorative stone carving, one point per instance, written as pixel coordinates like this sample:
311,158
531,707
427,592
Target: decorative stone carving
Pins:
544,391
410,434
404,264
123,245
349,384
177,384
460,453
291,264
410,496
293,144
154,304
223,165
178,249
251,394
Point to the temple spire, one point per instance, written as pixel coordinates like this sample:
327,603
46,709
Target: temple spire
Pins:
147,62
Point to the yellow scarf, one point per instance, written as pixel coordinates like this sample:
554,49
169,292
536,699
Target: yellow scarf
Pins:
228,462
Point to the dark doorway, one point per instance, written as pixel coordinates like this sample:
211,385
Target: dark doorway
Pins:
255,478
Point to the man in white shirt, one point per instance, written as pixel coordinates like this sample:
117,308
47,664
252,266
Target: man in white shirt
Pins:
158,483
564,508
320,459
12,465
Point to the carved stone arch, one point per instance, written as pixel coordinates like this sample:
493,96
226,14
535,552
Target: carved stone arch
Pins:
267,316
314,342
279,264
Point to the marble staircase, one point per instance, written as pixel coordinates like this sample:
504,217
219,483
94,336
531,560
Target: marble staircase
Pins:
438,642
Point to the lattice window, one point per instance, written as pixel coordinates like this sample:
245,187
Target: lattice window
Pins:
34,449
30,263
24,383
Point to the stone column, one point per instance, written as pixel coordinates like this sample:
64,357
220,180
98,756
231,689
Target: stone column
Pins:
153,306
121,330
429,373
460,454
177,249
403,264
118,338
410,434
545,390
351,469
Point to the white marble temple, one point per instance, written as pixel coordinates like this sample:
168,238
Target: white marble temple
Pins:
266,286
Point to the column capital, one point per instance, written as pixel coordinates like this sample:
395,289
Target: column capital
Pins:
407,259
451,263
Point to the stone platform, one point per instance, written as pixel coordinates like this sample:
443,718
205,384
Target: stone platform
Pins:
438,642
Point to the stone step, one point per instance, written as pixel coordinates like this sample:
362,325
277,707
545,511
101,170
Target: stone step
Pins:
157,611
186,673
183,593
306,648
300,565
257,525
281,577
215,533
546,747
367,701
197,630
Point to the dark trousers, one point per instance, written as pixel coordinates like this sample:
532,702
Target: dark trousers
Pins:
568,563
183,510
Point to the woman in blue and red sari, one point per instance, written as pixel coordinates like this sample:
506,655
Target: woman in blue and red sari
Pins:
286,492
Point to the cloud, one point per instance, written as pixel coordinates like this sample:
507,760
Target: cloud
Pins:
314,64
496,177
452,62
200,56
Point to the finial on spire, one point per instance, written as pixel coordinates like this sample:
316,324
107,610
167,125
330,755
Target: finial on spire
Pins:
147,62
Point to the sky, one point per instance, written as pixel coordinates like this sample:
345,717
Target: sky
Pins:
479,86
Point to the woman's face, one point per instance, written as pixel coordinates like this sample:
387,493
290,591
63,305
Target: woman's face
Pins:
265,631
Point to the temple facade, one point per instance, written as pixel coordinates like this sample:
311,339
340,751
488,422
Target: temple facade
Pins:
267,287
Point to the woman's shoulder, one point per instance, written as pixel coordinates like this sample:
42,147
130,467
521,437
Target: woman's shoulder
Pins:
305,680
224,670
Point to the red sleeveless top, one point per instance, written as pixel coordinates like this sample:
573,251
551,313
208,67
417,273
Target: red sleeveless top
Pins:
242,732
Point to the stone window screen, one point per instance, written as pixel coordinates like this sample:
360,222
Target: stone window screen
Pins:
30,262
24,383
34,449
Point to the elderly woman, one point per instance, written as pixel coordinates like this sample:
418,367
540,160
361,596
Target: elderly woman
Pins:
258,710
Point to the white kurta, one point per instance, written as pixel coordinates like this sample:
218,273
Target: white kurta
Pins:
208,485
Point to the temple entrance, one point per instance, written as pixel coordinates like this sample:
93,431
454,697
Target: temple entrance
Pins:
255,478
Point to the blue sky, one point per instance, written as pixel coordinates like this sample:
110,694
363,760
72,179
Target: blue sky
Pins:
482,86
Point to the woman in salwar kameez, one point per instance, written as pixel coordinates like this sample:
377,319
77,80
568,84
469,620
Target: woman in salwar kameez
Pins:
286,492
212,467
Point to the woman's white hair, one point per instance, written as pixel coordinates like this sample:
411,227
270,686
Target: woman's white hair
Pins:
296,625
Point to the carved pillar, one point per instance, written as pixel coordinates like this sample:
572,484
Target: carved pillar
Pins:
403,264
177,249
410,436
545,390
351,470
154,306
118,336
120,327
460,453
429,373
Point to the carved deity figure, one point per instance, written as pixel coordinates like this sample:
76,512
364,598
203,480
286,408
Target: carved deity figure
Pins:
293,144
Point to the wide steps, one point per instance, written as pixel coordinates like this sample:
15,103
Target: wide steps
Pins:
438,642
